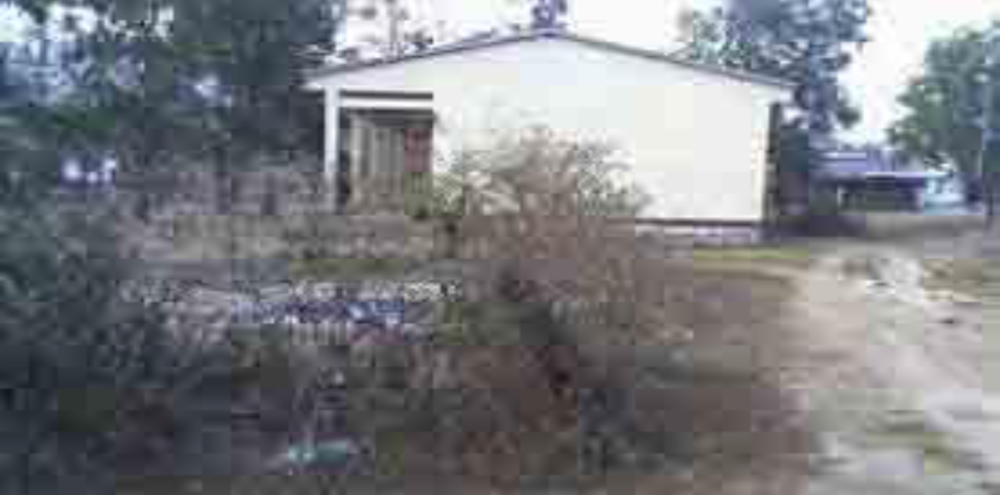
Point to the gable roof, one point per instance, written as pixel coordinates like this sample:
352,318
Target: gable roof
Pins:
553,34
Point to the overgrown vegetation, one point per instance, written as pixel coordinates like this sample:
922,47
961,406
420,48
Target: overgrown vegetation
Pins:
555,364
103,385
947,106
149,89
822,219
89,378
548,368
555,360
558,284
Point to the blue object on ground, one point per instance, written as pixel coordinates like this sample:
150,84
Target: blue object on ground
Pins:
335,452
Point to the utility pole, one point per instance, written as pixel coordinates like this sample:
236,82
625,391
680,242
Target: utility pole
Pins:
396,15
986,175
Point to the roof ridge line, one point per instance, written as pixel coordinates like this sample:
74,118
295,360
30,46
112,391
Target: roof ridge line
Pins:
552,33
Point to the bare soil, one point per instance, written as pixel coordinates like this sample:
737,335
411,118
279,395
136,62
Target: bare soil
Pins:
888,347
895,361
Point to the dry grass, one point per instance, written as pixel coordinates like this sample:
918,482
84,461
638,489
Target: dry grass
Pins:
908,227
581,362
974,276
794,256
937,450
714,416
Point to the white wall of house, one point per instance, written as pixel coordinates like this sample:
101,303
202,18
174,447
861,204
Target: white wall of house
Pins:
695,141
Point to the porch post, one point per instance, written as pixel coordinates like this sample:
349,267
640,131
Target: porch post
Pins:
331,151
359,157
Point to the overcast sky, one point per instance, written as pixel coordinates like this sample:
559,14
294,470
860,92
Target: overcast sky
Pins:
900,32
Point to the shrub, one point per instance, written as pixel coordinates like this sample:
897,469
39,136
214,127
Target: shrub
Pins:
550,222
822,218
94,383
559,280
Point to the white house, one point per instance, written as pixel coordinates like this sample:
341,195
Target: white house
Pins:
695,136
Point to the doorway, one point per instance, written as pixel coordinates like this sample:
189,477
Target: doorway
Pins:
385,156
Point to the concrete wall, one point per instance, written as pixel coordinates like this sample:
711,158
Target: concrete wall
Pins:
695,141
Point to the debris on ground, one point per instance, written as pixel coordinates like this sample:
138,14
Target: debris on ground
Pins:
404,309
328,454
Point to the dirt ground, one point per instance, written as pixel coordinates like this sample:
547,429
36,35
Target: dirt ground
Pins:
889,348
896,359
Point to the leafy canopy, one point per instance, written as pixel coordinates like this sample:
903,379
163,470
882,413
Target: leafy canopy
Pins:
944,106
807,43
151,84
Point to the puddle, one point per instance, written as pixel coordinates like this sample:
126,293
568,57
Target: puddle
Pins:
975,414
972,418
937,451
906,459
918,348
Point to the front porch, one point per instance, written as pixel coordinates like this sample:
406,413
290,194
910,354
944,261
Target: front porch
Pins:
384,151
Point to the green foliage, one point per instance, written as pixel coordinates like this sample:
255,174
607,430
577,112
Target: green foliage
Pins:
439,198
155,85
253,55
444,201
79,362
807,44
945,105
823,218
96,382
28,163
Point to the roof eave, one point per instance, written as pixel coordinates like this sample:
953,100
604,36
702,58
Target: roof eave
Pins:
313,76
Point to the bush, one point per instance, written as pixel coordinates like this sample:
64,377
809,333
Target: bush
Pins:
93,381
551,223
822,218
559,282
551,235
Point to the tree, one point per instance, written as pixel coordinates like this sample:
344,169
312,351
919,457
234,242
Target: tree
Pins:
945,107
28,162
247,60
397,31
809,44
249,57
64,349
159,84
36,9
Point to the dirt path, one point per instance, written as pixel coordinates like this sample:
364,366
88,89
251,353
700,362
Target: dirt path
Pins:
887,371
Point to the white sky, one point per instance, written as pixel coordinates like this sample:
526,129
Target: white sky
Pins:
900,32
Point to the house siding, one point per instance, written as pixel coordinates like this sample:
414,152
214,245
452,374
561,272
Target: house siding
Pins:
695,142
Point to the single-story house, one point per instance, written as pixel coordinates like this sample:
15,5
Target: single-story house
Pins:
873,179
695,136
